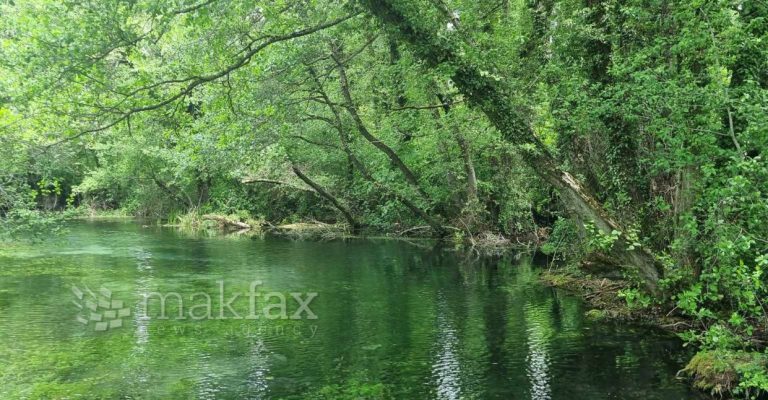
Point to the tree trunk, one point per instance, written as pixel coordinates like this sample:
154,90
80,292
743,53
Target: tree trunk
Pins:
410,177
496,100
466,154
273,182
338,125
354,226
184,200
400,99
203,191
469,168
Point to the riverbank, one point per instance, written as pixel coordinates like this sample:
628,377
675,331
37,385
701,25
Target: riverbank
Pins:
605,300
720,373
483,241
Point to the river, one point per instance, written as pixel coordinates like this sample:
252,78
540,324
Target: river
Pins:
273,318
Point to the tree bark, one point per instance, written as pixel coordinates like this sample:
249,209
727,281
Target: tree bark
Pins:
496,100
400,99
351,107
166,189
354,226
466,154
352,158
469,167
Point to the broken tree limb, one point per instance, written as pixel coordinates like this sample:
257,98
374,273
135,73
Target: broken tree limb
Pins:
224,221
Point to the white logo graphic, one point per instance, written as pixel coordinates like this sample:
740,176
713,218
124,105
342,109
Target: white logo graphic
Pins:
99,309
103,312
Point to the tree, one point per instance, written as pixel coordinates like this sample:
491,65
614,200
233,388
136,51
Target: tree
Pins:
497,101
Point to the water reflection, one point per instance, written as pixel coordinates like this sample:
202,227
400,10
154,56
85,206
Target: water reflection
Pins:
394,322
143,289
446,369
258,386
209,382
140,320
538,360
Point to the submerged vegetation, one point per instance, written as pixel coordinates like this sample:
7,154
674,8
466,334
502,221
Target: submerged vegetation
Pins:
628,137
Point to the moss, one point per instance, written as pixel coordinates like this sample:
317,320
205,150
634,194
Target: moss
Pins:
595,315
724,373
608,297
557,279
728,373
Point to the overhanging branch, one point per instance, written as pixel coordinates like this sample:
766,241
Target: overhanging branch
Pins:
194,82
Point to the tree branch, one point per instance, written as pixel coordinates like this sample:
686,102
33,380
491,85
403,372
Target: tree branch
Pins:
194,82
429,107
193,7
274,182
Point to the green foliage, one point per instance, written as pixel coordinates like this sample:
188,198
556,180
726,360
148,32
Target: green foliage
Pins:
659,108
163,108
597,240
730,372
563,240
635,298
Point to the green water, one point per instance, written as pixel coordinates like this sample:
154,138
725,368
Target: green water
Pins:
394,320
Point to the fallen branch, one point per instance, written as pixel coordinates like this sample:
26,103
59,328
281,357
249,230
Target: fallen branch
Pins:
224,221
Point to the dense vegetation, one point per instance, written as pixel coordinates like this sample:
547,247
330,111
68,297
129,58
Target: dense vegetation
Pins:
633,132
